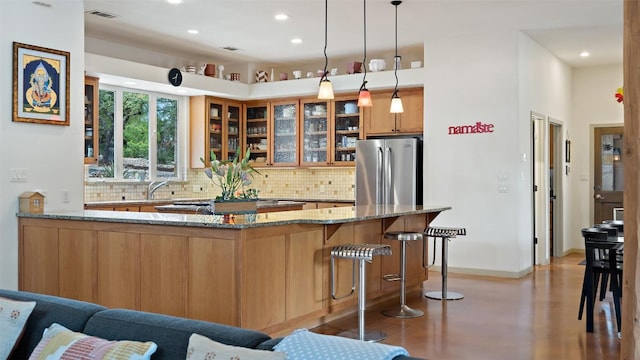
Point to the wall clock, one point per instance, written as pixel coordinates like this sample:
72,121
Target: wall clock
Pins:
175,77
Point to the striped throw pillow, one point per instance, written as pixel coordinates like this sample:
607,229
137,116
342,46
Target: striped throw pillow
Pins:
59,342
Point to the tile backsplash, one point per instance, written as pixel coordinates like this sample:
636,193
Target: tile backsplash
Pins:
298,183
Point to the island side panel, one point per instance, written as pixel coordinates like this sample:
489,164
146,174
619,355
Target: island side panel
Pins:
262,277
38,257
282,277
304,273
213,276
163,274
77,257
119,269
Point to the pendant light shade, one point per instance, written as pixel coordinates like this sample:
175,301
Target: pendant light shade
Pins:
396,102
364,97
325,92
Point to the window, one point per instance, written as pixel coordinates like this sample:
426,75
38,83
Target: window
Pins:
138,135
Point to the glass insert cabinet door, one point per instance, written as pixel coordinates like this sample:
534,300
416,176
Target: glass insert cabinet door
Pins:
233,130
347,130
285,124
215,129
315,128
257,133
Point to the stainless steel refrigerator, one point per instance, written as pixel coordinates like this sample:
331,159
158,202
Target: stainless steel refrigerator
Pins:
389,171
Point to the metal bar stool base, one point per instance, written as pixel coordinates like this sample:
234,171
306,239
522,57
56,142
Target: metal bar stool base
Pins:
438,295
404,312
369,335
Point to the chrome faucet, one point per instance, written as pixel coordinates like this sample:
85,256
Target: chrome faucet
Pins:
153,186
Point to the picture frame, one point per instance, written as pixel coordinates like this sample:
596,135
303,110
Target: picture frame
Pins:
40,85
567,151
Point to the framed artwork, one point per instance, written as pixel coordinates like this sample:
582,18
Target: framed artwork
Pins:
40,85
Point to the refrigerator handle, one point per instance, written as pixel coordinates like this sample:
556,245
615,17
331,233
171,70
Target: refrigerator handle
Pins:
389,178
379,175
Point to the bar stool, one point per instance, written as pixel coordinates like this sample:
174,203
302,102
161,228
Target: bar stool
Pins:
446,234
361,253
404,312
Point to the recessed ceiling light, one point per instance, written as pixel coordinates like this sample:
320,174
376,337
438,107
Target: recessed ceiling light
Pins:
296,41
174,1
281,17
193,31
182,91
584,54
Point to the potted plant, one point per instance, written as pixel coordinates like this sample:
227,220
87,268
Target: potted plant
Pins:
234,178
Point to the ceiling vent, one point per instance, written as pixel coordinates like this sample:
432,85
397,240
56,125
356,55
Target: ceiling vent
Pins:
40,3
230,48
103,14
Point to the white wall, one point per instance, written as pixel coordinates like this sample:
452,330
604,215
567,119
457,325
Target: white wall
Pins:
471,79
492,78
545,87
51,154
593,104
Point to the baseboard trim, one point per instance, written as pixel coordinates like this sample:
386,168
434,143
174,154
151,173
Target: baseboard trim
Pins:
483,272
573,251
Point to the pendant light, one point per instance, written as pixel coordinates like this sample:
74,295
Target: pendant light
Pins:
326,89
396,102
364,96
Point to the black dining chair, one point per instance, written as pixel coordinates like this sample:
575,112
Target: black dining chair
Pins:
595,240
613,231
619,224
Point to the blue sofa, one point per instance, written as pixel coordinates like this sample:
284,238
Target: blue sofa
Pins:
170,333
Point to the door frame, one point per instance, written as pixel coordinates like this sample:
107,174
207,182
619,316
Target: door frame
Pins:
592,155
560,168
540,178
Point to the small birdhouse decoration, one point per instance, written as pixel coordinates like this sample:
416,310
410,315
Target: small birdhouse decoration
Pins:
31,202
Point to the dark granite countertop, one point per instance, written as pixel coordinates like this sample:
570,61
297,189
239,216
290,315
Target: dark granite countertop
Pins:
339,215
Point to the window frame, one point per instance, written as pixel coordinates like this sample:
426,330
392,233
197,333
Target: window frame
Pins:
118,136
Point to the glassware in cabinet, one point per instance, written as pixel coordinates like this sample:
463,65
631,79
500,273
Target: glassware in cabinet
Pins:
91,99
285,125
233,129
315,132
347,129
215,126
257,132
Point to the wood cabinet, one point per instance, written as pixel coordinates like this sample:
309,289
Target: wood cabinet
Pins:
215,126
315,132
269,278
346,128
91,120
257,132
329,137
284,127
379,121
304,132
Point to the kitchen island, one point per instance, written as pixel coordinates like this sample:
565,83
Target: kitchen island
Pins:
267,272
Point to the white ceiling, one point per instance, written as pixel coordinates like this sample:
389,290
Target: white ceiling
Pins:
564,27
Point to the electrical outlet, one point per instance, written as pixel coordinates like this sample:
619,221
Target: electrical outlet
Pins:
321,189
196,188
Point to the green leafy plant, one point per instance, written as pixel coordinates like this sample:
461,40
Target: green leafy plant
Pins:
232,176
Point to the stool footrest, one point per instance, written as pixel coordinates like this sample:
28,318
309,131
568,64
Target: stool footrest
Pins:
392,277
